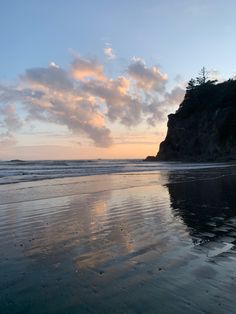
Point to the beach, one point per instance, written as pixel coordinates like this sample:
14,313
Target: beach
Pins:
128,242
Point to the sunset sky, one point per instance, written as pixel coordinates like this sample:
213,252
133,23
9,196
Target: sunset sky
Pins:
97,79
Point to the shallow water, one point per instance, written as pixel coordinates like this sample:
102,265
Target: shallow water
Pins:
153,242
27,171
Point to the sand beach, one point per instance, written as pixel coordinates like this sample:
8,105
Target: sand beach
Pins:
160,242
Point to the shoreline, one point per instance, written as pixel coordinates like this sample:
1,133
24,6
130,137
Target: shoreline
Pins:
26,173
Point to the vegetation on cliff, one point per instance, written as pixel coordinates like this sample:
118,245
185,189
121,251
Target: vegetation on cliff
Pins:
206,95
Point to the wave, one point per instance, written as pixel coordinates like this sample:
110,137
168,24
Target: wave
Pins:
15,171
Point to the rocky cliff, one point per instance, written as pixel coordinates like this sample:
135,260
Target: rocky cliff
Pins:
204,126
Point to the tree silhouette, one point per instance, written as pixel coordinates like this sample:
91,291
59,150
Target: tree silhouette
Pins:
202,76
191,84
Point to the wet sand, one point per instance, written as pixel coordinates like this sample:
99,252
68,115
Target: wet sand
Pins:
125,243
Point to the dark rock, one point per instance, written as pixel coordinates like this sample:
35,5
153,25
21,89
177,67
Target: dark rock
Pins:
17,161
204,126
150,158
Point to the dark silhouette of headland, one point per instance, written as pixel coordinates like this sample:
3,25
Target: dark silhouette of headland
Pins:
204,126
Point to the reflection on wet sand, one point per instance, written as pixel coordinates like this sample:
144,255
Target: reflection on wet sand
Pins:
120,244
206,204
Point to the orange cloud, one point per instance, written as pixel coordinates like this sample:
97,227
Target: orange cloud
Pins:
85,100
86,68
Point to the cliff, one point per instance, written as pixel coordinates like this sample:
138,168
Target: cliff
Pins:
204,126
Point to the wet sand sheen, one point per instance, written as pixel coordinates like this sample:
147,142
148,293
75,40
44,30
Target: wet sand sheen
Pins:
127,243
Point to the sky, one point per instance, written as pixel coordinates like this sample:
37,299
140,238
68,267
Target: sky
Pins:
97,79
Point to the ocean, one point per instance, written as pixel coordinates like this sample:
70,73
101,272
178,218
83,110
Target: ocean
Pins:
24,171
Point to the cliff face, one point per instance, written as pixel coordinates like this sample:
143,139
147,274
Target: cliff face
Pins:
204,126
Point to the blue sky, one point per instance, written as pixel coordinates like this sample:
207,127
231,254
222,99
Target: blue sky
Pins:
180,35
177,37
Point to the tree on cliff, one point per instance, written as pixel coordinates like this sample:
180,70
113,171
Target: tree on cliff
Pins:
202,76
201,79
191,84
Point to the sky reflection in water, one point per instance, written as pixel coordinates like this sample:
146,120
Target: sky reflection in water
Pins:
120,243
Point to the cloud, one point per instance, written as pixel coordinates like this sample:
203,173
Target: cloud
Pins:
120,104
109,53
44,100
51,78
10,122
6,140
159,109
10,119
53,64
86,68
147,78
85,100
